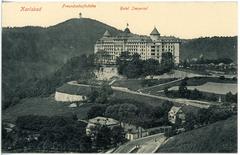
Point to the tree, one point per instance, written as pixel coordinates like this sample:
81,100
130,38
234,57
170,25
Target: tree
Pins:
183,91
93,95
103,137
167,60
229,97
150,67
133,69
95,111
196,94
100,95
204,116
166,91
123,112
212,97
122,61
117,135
190,121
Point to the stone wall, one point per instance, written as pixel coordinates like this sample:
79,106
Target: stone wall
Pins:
64,97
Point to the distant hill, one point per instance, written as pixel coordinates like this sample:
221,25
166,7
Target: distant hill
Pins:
34,52
210,48
220,137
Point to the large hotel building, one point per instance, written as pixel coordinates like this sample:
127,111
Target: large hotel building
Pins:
148,47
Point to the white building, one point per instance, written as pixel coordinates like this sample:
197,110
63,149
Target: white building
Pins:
146,46
176,114
71,93
109,122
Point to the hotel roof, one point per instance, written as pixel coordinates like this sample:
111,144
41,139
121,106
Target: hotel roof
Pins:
154,32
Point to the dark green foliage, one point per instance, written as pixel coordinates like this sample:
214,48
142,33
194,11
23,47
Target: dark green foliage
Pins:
54,134
122,112
167,60
31,122
150,67
191,120
75,68
134,67
139,113
101,94
104,137
32,55
211,48
195,94
96,111
183,91
231,98
117,135
215,61
212,97
211,115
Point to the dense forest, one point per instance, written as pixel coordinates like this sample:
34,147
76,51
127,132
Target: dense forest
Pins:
210,48
35,55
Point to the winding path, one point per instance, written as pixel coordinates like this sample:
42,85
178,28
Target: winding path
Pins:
195,103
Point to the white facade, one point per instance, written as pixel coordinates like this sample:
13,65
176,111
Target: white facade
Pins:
146,46
64,97
176,114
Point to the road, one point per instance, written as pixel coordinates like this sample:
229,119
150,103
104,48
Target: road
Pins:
147,144
160,85
195,103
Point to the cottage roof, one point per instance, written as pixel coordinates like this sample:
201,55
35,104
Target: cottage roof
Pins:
103,121
175,109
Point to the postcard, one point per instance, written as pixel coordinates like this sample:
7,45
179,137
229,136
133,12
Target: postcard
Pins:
119,77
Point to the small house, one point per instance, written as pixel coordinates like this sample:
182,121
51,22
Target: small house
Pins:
109,122
176,115
134,132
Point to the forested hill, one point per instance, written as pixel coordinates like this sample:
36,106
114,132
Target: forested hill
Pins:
210,48
34,52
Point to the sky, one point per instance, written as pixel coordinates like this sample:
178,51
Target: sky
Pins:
181,19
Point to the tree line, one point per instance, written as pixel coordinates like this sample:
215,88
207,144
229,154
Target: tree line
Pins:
133,67
59,134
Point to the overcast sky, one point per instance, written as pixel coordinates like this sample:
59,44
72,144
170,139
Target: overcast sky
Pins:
180,19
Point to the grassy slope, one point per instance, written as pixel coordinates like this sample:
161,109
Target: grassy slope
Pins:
218,137
43,106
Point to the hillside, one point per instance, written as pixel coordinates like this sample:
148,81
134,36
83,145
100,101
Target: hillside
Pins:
32,53
218,137
211,48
